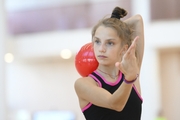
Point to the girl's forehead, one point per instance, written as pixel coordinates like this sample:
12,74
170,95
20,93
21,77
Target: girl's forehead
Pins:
102,27
106,31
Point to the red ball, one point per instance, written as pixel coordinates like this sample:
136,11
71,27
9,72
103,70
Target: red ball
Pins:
85,60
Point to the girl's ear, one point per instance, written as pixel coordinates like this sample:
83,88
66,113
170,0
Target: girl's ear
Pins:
125,48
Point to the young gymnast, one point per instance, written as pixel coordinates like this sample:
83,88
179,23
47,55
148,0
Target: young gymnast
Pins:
112,91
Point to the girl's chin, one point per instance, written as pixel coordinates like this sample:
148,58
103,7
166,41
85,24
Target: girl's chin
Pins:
104,63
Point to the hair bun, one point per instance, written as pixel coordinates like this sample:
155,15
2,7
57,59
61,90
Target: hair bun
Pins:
118,13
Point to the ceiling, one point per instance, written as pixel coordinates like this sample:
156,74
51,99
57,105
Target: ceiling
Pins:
18,5
31,16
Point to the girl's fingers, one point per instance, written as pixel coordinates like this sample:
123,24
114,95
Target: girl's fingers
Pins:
128,60
135,41
133,45
119,66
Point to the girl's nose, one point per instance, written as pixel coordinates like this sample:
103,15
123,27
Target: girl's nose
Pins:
102,48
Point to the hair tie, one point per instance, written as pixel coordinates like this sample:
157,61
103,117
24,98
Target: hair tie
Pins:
115,15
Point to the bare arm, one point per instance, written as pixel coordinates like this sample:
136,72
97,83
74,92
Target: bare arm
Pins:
136,23
88,91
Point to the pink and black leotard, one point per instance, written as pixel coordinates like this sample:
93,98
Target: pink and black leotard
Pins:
131,111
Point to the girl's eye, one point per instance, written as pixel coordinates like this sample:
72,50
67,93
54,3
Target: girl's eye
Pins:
110,43
96,41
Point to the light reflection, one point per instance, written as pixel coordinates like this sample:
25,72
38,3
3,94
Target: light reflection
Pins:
66,54
8,58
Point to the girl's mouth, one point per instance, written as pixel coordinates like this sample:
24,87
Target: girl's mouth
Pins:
102,56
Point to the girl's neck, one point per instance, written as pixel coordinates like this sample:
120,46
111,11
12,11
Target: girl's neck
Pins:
112,72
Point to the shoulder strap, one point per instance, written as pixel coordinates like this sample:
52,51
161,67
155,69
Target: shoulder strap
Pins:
97,76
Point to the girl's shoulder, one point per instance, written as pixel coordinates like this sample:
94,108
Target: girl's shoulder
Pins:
84,81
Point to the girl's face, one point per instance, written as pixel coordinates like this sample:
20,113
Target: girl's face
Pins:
107,46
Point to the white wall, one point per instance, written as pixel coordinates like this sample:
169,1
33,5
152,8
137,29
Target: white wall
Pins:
38,84
50,43
3,35
39,79
160,34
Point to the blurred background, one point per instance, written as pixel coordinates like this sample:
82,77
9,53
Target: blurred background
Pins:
40,38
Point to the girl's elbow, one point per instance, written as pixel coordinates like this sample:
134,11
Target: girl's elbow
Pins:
117,107
138,17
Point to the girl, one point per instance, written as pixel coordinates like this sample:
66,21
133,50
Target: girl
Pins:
112,91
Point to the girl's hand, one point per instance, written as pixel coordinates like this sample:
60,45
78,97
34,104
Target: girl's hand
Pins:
128,65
